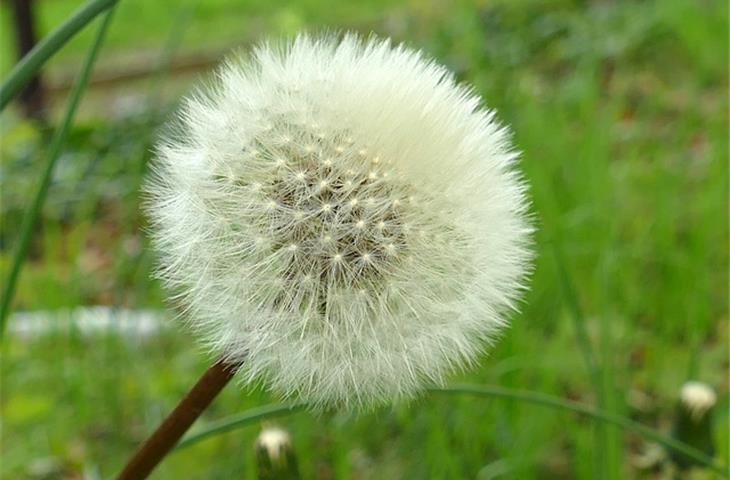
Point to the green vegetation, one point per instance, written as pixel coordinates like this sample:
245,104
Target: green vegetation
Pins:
621,111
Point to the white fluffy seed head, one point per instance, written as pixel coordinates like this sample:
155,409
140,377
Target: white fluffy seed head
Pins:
697,398
274,441
290,247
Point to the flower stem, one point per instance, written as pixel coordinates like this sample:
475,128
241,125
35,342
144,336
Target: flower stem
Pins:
154,449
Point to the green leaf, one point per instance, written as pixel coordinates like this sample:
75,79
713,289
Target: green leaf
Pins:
54,151
593,413
46,48
237,421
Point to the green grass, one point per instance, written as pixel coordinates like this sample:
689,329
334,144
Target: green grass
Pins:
142,27
621,112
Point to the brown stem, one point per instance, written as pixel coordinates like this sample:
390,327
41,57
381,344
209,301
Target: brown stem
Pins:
154,449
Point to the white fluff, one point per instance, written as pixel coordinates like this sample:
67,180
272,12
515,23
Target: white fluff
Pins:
342,217
697,398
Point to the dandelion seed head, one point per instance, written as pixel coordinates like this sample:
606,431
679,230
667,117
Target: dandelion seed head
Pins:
343,218
275,442
697,398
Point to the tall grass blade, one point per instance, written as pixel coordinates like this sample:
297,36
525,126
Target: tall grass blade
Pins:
585,410
576,314
237,421
57,143
234,422
46,48
601,469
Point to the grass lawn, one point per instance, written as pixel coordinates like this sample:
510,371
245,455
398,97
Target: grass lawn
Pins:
621,112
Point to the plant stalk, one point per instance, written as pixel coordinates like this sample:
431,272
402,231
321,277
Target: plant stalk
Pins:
154,449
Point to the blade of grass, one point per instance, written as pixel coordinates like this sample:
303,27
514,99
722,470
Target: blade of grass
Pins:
589,356
54,152
46,48
585,410
131,267
609,400
237,421
234,422
172,44
576,313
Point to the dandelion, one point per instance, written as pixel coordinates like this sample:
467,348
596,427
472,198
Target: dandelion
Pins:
341,218
340,221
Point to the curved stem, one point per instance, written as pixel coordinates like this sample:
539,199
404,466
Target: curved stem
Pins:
237,421
34,60
600,415
233,422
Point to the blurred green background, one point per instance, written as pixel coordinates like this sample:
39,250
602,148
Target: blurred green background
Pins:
621,111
